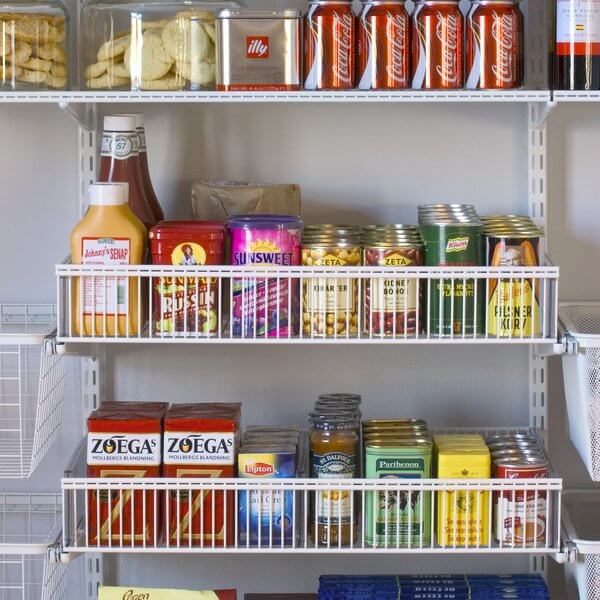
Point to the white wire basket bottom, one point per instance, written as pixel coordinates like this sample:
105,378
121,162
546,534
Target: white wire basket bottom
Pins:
31,388
581,517
301,515
269,304
29,525
581,321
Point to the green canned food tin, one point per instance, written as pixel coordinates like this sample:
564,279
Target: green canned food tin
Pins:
453,308
393,519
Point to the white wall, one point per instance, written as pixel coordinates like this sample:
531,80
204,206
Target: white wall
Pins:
354,163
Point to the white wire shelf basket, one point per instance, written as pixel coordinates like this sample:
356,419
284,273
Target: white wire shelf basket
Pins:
307,304
29,529
31,387
301,515
580,322
581,520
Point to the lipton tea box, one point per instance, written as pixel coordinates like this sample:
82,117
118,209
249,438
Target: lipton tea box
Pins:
201,440
124,442
463,516
266,517
139,593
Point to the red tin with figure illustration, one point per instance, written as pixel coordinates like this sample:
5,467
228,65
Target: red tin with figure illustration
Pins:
186,305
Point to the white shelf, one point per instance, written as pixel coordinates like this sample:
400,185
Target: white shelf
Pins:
30,525
146,308
281,97
576,96
26,324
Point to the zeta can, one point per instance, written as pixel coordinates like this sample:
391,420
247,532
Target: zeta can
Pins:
454,305
513,303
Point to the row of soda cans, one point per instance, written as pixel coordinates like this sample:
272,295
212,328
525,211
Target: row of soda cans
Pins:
433,587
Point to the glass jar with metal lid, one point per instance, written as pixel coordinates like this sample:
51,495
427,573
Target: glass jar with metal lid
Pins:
334,454
33,45
330,304
391,306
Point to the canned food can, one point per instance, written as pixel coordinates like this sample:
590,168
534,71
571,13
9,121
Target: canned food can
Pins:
494,45
437,45
329,44
392,306
521,515
513,303
398,518
454,305
383,55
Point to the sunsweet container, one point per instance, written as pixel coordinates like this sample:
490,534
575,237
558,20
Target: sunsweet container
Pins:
186,305
265,307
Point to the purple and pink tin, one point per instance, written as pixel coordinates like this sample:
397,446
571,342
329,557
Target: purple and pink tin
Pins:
265,307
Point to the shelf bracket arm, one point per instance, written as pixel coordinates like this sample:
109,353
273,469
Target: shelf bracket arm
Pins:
82,113
539,113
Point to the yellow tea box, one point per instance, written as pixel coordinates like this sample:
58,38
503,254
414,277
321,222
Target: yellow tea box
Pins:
463,517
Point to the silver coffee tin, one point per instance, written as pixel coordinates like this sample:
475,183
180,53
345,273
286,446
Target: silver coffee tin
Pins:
259,50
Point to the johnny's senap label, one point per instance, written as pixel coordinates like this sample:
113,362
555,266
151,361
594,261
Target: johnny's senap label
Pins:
199,448
128,449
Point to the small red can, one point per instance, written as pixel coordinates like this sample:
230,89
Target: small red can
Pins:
437,45
383,57
186,305
521,515
329,45
494,45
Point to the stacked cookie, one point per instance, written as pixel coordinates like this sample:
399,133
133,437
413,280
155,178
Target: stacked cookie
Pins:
32,49
170,54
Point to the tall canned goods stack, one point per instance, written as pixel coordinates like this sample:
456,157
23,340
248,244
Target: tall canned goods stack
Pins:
397,449
452,234
383,53
329,45
330,305
513,305
392,306
494,45
520,516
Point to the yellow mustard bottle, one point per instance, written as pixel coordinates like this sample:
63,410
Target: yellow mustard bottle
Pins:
109,235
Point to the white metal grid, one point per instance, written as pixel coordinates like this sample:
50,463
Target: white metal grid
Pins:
153,515
582,527
144,297
581,373
31,389
29,525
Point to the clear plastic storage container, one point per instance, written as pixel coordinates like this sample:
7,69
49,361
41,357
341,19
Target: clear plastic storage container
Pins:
156,45
33,45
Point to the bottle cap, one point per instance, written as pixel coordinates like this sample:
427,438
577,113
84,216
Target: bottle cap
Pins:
139,119
108,194
119,123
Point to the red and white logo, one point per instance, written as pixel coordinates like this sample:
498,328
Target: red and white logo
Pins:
260,469
257,46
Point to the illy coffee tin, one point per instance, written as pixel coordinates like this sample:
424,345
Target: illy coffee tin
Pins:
259,50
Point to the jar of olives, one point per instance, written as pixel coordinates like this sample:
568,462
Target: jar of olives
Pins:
391,306
330,305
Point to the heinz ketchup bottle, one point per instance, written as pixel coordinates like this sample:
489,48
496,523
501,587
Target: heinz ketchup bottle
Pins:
119,162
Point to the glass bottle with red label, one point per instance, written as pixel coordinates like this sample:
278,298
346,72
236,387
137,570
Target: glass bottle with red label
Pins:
119,162
577,48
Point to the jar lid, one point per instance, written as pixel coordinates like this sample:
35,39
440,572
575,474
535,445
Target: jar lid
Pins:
178,229
327,422
341,396
108,194
264,222
120,123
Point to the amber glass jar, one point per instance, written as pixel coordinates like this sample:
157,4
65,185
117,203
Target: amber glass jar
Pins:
334,453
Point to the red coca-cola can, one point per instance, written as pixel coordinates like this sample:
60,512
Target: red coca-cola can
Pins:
329,45
383,56
437,45
494,45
